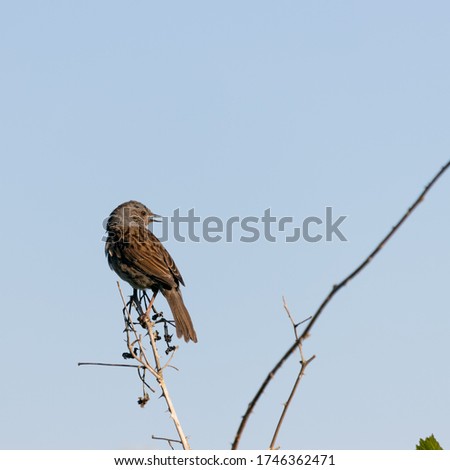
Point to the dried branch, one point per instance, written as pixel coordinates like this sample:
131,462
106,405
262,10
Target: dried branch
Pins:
138,353
163,386
168,440
129,328
304,364
327,299
108,364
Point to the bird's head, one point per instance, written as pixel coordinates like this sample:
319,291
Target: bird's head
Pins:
131,213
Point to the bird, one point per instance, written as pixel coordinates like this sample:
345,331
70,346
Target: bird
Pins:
138,257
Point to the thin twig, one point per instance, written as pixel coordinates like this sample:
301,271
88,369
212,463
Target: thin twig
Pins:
151,334
332,293
167,364
169,441
142,378
109,365
129,325
304,365
139,368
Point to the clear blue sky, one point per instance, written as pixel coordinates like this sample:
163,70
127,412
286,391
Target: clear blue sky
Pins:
229,108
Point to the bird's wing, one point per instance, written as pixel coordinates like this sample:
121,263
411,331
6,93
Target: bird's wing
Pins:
171,265
151,258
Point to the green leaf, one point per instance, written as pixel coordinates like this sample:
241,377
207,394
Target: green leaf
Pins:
430,443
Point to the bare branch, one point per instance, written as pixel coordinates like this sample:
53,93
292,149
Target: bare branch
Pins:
304,365
129,326
157,371
169,441
327,299
162,384
108,364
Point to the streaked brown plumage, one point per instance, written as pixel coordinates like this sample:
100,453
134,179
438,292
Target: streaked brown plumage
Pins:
139,258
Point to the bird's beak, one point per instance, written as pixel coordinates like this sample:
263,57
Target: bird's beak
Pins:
155,218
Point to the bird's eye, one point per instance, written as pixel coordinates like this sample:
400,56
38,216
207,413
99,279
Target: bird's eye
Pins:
143,213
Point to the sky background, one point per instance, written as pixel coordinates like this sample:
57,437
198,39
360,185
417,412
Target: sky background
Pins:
229,108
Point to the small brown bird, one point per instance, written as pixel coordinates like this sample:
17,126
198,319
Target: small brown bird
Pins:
139,258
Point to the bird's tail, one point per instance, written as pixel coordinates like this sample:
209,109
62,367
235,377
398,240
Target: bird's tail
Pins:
183,322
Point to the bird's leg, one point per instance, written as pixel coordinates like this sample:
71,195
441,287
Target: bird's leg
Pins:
152,305
135,298
146,299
